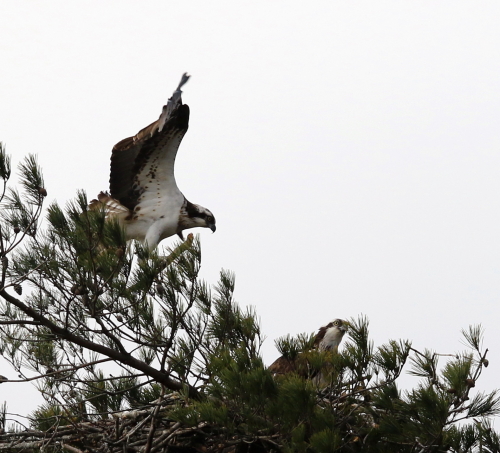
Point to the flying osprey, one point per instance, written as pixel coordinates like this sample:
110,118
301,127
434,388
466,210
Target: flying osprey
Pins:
143,194
328,338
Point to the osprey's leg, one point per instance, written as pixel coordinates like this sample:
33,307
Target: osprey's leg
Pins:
152,238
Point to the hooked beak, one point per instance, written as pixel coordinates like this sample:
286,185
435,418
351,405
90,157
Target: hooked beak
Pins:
212,227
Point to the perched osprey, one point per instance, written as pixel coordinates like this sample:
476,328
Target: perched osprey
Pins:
143,194
328,338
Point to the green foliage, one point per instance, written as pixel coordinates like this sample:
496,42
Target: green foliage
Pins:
77,303
360,408
48,416
290,347
85,297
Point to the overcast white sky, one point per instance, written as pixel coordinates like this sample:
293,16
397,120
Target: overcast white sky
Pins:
350,151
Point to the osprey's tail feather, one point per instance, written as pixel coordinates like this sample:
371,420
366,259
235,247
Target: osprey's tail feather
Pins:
110,205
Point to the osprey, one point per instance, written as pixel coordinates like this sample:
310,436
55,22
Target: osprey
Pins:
143,194
328,338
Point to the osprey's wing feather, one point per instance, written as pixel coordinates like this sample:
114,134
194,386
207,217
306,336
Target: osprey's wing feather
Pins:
320,335
283,366
113,207
150,155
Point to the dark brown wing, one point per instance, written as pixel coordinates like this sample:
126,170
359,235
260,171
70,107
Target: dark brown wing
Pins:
282,366
129,156
320,335
300,365
157,144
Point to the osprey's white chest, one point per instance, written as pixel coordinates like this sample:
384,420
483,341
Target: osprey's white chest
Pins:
332,339
155,217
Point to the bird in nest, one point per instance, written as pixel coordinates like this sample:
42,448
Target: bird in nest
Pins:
327,339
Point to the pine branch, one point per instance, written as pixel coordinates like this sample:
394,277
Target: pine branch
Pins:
108,352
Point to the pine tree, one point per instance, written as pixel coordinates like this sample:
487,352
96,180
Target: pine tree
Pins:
132,351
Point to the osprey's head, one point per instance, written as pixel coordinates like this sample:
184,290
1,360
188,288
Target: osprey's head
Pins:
330,336
193,215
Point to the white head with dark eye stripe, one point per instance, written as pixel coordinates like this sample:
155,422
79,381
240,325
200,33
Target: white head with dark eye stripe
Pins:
193,215
330,336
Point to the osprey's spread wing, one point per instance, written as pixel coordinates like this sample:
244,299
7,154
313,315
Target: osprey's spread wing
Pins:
143,165
143,193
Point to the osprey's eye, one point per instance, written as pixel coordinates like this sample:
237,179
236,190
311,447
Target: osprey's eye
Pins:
337,323
210,219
